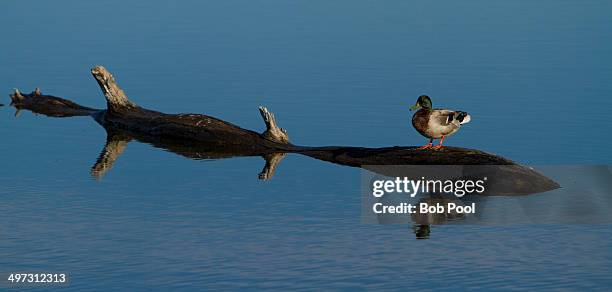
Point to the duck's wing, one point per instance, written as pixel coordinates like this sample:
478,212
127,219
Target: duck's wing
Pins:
444,117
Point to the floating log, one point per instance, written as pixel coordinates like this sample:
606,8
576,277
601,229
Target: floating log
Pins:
200,136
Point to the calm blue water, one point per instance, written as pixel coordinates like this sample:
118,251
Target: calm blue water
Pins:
535,77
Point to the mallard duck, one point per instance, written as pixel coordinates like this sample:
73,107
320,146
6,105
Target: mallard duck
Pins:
436,123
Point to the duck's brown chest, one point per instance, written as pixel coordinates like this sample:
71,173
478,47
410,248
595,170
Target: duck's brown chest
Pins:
420,121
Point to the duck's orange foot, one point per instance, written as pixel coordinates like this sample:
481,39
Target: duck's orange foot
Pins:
438,147
428,146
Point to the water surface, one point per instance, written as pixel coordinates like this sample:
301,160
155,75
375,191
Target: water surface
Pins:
535,77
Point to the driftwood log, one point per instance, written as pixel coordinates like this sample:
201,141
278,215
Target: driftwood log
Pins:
199,136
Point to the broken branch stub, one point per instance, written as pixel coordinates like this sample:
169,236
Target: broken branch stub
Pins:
273,132
115,97
16,96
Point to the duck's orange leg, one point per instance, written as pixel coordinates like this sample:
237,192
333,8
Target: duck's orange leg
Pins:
440,146
428,145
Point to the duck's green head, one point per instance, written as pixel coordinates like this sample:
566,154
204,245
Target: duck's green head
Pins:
423,102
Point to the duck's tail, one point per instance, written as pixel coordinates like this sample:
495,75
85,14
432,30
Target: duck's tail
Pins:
463,117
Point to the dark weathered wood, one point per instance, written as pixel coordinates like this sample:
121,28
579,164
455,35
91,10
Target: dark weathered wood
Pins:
406,155
49,105
199,136
125,114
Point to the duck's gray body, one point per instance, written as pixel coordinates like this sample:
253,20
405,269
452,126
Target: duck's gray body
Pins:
437,123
